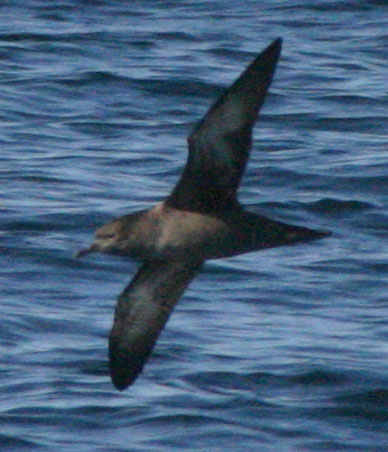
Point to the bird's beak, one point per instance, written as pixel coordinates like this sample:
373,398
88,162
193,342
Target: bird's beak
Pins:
92,249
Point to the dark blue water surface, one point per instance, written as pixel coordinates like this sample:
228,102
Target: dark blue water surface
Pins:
281,350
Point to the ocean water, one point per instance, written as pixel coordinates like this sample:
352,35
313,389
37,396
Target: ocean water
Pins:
281,350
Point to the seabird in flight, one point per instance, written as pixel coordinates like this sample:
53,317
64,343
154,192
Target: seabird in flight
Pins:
201,219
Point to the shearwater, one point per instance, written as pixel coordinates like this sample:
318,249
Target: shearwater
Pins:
201,219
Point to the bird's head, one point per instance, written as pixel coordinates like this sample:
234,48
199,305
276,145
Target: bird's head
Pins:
106,240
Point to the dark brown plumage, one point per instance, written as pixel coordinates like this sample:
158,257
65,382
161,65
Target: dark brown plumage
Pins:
201,219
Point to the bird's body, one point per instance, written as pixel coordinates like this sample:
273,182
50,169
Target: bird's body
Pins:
164,232
201,219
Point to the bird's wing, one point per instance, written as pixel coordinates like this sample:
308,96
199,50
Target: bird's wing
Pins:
141,313
219,146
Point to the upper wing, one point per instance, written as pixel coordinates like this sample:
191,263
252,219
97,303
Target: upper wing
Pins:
141,313
219,146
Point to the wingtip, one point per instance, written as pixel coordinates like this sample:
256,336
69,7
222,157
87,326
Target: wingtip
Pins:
119,384
124,366
123,377
278,41
275,47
